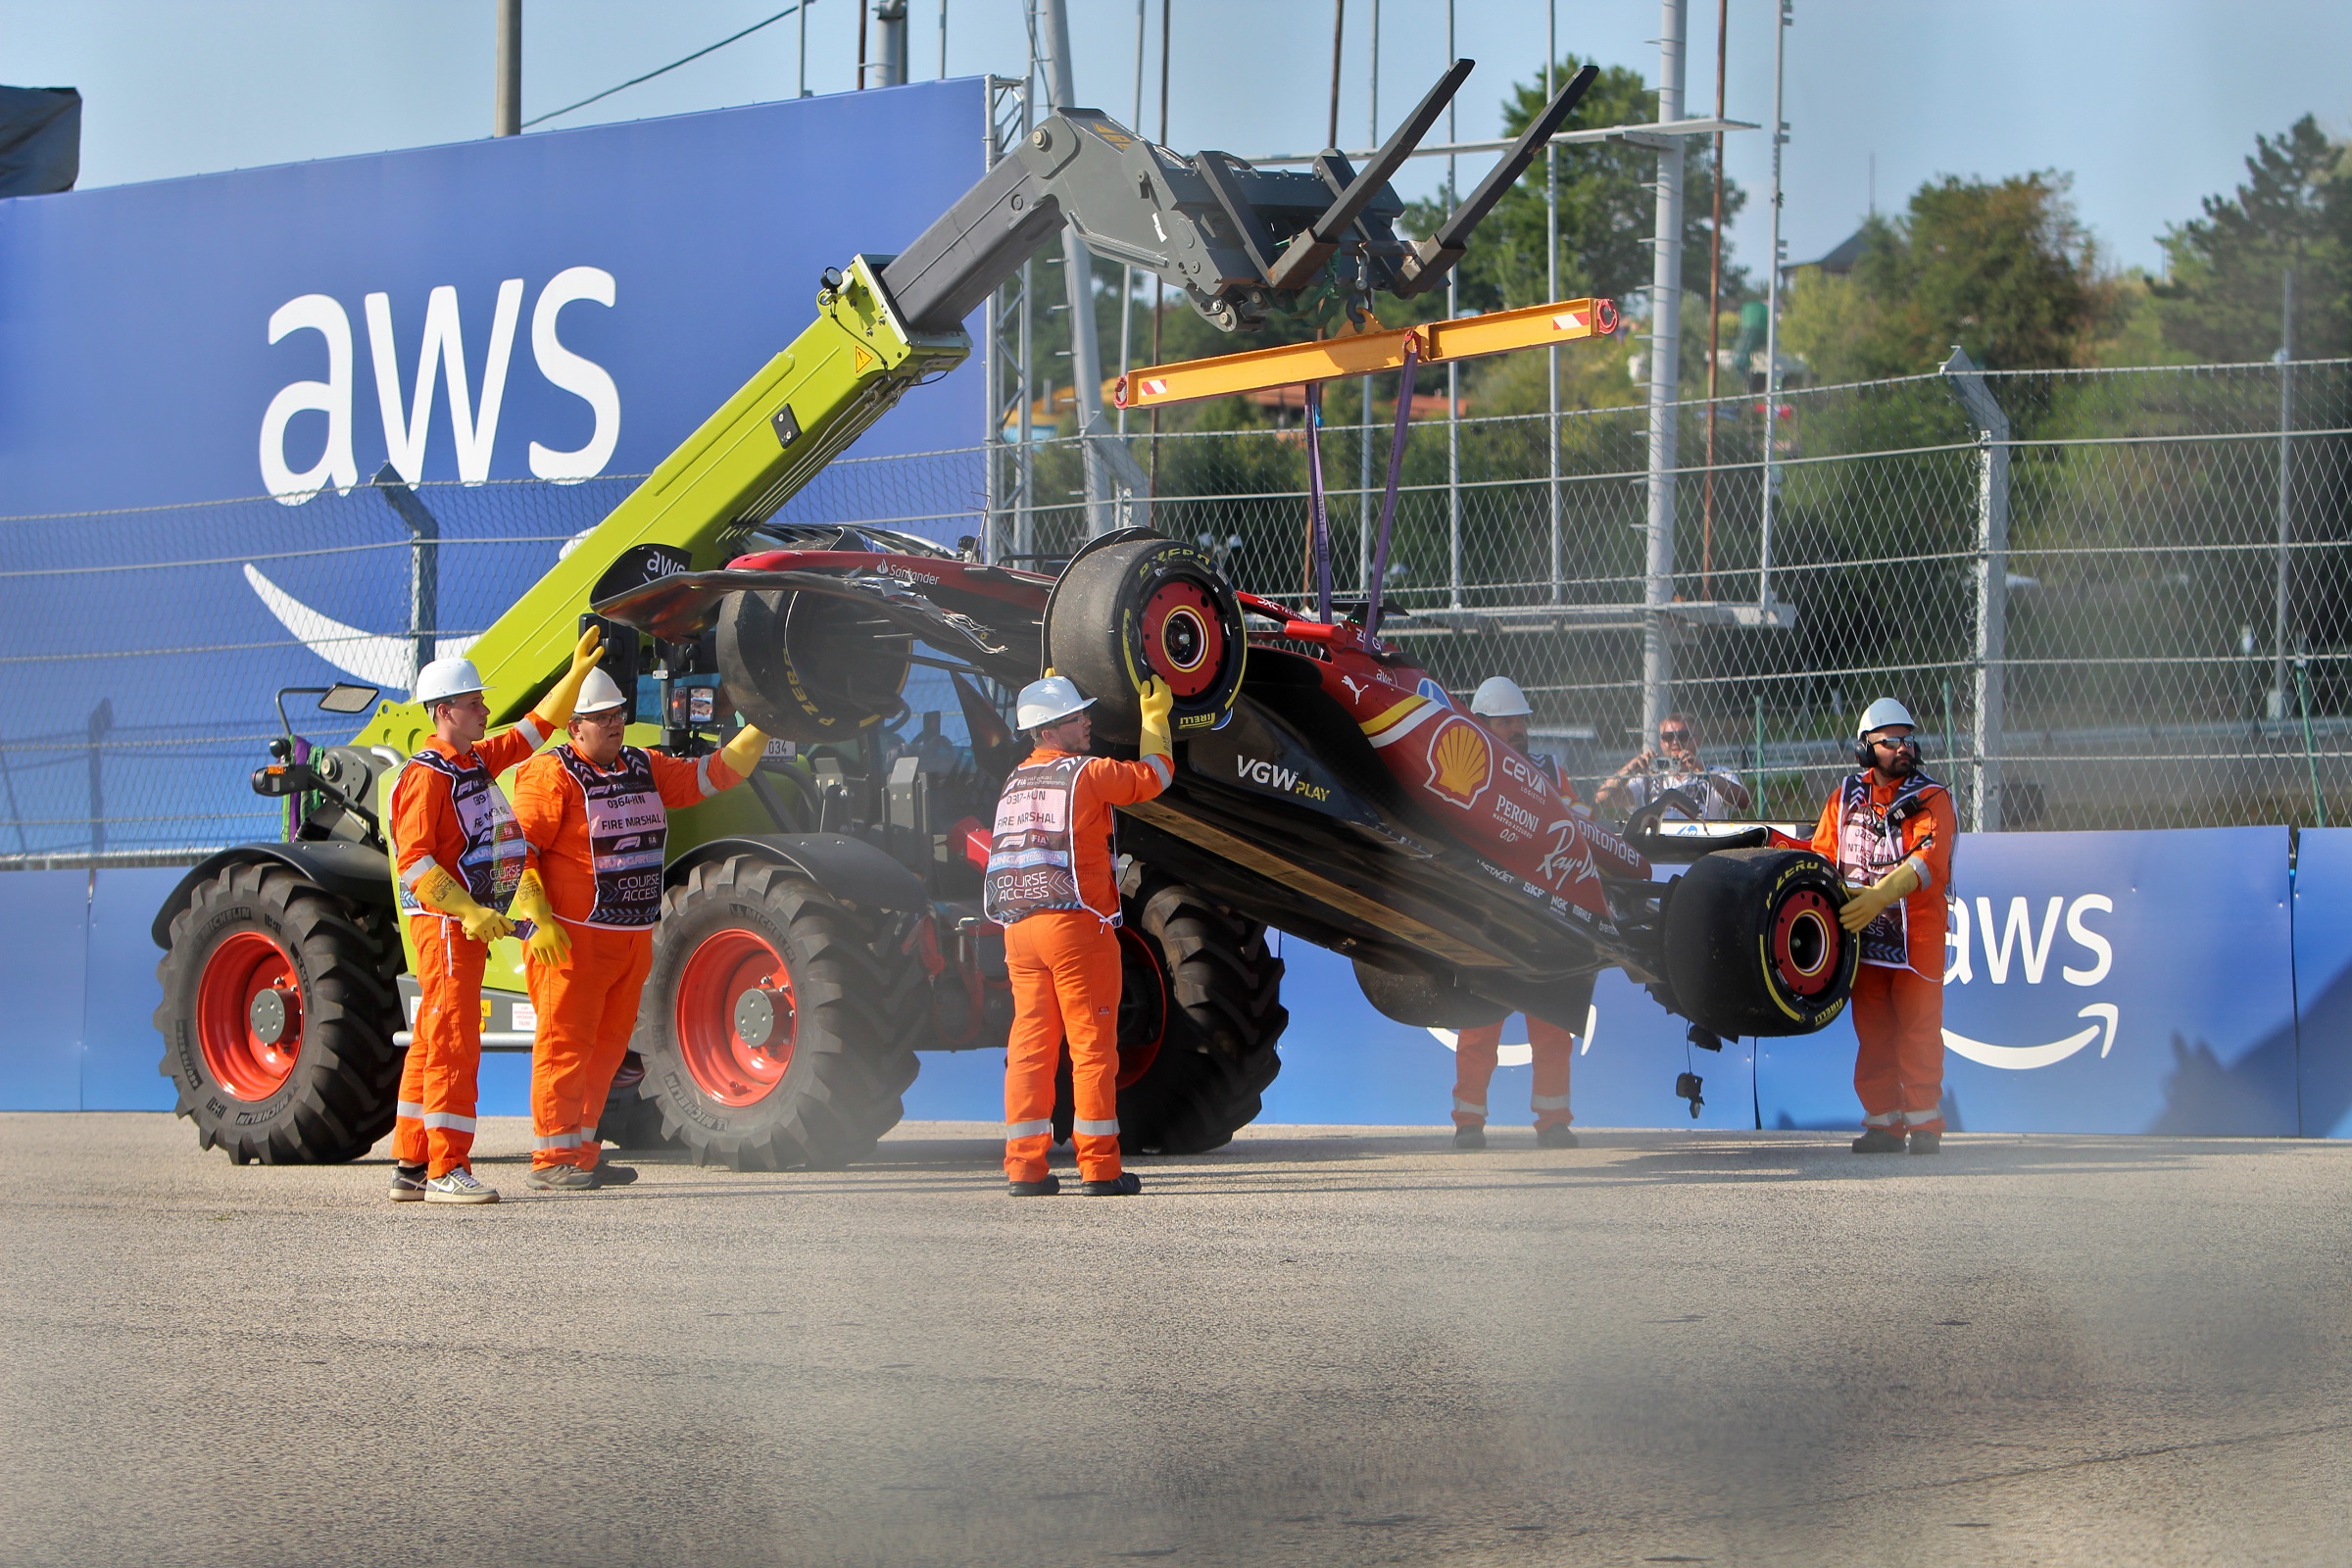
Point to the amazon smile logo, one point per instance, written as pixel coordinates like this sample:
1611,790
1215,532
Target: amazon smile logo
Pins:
2022,941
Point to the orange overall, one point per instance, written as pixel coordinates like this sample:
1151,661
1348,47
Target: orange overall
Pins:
447,812
1898,990
597,837
1061,950
1473,1055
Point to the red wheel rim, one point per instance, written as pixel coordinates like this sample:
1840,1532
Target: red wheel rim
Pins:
1142,1005
1804,943
734,1017
1184,642
249,1015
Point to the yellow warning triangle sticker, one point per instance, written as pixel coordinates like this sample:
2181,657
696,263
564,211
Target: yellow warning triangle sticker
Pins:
863,358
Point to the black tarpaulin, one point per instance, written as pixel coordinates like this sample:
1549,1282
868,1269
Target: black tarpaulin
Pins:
40,140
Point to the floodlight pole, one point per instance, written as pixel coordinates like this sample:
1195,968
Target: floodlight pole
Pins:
1772,307
1665,375
507,110
2286,421
1967,384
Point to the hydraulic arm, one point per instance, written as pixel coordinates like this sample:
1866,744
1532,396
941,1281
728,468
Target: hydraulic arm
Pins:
1233,239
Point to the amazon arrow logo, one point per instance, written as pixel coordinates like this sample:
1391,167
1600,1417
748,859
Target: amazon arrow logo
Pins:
2018,1058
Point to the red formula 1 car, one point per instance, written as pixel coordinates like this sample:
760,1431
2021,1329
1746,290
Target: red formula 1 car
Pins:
1324,785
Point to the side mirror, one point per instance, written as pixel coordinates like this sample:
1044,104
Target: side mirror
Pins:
346,697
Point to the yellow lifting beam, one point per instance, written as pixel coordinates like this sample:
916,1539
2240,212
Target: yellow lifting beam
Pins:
1363,354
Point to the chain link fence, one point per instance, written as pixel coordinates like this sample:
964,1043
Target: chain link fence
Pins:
2129,608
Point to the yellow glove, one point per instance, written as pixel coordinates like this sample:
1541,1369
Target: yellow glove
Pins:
1865,904
549,943
444,894
1152,706
743,753
556,707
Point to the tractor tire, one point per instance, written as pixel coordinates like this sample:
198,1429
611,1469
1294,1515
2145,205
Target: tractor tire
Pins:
1752,944
631,1120
1135,605
776,1029
1200,1014
807,667
1426,1001
277,1019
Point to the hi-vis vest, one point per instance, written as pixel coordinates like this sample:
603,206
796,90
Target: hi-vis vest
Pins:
1870,844
1033,860
628,833
491,863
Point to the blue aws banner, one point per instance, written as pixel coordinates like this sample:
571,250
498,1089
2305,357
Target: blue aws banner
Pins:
2324,979
560,306
200,378
2096,982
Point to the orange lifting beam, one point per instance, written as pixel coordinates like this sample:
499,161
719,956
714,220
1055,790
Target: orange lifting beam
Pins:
1296,364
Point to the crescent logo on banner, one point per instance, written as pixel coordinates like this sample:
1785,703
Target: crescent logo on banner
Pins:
2020,1059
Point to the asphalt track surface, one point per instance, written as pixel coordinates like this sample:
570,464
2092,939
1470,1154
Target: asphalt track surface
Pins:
1320,1345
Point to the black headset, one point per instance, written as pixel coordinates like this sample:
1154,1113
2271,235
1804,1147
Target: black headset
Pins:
1865,757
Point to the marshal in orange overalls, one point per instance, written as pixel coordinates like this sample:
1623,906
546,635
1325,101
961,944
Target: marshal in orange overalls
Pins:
1869,827
598,839
1050,886
448,812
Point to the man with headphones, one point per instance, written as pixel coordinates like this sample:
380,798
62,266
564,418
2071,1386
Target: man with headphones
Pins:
1889,828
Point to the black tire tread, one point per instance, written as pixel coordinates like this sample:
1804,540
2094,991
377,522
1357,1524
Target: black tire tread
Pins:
861,1004
344,1090
1225,1019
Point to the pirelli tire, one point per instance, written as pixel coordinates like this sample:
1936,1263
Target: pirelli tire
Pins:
778,1028
1200,1016
278,1015
1135,603
810,666
1752,944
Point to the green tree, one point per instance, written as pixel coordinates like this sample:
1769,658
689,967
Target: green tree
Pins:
1607,209
2294,210
2004,268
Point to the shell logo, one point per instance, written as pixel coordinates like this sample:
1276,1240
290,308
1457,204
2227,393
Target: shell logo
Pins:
1461,761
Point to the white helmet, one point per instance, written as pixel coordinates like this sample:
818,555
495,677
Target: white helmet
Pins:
445,678
1499,697
1042,702
1883,712
599,693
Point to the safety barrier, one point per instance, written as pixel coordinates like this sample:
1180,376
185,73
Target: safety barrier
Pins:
2195,981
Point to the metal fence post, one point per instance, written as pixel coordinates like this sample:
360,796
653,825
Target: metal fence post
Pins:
1665,369
424,562
102,719
1967,384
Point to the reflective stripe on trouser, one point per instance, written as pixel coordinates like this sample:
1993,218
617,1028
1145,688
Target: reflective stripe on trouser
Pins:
1473,1053
587,1009
434,1124
1065,969
1899,1069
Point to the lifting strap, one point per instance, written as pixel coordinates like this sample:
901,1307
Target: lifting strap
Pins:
1318,517
1388,501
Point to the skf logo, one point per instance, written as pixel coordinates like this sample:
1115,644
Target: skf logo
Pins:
1461,761
1274,777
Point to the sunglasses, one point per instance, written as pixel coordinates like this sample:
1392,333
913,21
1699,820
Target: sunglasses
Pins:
1673,737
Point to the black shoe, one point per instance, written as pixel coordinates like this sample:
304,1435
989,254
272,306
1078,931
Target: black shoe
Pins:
1924,1142
1046,1187
613,1175
1469,1138
1879,1141
1555,1138
1126,1184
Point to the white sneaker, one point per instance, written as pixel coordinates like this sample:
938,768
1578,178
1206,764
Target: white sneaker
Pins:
459,1187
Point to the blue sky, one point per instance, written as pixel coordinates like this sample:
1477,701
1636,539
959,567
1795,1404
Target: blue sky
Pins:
2149,105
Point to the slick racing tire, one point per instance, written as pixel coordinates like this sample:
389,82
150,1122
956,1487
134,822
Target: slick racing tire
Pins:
277,1019
1754,945
1200,1015
1134,605
777,1029
1426,1001
810,666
